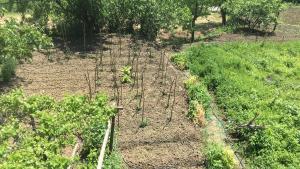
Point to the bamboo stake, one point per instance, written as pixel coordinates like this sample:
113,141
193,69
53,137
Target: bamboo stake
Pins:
96,73
87,77
101,60
174,99
143,98
169,94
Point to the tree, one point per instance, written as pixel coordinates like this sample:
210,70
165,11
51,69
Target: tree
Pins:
221,5
150,15
198,8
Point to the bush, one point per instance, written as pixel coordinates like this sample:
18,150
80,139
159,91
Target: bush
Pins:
219,157
255,14
20,40
8,69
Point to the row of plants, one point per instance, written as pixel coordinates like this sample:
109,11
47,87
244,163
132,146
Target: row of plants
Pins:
17,42
38,132
218,155
256,86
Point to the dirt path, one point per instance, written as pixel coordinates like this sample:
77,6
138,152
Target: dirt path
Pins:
159,144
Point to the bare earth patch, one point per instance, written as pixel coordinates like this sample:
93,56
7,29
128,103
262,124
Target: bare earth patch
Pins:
159,144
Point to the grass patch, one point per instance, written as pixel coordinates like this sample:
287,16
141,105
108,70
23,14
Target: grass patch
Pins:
255,79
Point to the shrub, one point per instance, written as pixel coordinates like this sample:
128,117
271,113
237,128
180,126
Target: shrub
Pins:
255,14
219,157
20,40
8,69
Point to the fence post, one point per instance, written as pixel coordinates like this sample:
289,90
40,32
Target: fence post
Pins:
112,133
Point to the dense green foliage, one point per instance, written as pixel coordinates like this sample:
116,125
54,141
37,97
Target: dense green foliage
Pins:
144,17
17,42
255,14
36,132
255,80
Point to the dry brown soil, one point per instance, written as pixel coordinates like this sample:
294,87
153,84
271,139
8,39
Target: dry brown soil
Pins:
160,144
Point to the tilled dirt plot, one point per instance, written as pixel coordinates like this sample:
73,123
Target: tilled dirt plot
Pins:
159,143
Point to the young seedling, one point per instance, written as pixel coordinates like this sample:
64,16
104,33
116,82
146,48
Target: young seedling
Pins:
144,123
126,74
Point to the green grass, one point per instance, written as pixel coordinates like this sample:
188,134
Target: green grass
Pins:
255,78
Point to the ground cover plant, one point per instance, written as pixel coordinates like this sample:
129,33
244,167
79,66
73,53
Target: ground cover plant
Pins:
38,132
257,88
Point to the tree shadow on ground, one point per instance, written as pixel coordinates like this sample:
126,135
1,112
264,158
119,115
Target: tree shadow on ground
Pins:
12,84
178,40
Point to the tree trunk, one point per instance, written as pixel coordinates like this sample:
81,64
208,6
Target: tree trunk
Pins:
223,14
195,16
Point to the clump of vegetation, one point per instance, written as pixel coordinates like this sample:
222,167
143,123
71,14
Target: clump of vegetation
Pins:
144,123
36,131
8,69
199,100
248,80
219,157
17,42
180,60
126,74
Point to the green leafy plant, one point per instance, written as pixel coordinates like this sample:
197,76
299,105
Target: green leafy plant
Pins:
126,74
219,157
38,130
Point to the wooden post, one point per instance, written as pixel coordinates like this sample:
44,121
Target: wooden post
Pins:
129,53
169,94
96,72
87,77
101,59
166,71
143,98
174,99
137,74
112,133
160,63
